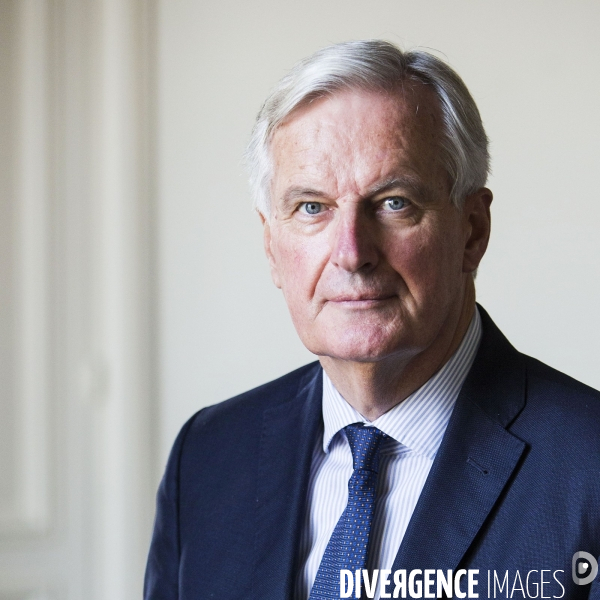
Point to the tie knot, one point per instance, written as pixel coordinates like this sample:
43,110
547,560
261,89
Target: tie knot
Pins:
364,444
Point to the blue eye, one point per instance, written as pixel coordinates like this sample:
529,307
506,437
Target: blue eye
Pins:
311,208
395,203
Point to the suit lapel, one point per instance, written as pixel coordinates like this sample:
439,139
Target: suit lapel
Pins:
289,434
475,461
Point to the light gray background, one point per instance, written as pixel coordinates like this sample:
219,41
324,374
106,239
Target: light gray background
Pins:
533,68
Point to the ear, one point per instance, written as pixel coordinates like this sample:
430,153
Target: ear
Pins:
269,252
478,222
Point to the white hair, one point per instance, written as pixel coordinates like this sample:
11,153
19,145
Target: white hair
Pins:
375,65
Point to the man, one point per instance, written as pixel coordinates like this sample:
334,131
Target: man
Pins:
421,439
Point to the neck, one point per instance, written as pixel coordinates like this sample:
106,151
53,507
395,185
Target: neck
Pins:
373,388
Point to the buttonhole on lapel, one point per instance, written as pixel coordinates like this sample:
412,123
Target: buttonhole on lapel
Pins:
477,466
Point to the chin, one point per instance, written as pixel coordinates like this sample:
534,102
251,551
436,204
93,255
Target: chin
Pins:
362,346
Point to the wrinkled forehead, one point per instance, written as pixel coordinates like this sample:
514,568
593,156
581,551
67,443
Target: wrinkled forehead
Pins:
357,129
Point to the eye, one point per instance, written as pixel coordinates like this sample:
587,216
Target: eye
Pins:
311,208
395,203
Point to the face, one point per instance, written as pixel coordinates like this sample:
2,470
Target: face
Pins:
372,257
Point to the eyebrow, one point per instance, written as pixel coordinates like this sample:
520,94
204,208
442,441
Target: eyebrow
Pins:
294,194
394,182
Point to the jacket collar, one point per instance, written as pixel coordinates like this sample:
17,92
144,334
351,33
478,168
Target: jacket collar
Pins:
475,461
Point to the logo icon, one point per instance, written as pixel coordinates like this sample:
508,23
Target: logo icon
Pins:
585,568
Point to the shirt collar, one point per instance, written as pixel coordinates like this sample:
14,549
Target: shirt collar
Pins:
420,421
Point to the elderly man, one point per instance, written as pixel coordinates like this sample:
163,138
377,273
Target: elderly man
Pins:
421,439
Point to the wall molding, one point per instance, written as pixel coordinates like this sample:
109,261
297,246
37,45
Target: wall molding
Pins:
27,512
80,264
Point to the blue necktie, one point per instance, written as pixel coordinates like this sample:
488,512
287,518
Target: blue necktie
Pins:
349,542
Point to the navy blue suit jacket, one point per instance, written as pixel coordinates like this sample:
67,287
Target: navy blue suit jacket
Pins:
515,485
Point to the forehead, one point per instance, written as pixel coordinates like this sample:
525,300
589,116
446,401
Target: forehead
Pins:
354,138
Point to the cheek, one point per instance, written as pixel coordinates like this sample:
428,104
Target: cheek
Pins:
299,264
429,260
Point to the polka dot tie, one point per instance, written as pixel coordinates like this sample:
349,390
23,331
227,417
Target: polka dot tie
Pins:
349,542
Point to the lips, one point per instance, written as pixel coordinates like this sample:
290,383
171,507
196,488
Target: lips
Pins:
361,299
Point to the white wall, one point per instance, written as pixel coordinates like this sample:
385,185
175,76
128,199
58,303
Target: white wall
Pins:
533,69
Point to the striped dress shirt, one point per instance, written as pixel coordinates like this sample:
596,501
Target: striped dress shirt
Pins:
415,428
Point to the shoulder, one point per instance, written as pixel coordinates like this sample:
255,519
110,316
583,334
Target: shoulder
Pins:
521,388
556,383
558,477
244,412
556,416
565,409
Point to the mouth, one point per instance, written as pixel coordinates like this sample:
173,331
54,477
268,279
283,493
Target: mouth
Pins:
365,301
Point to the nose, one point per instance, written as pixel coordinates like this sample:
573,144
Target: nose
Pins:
354,246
